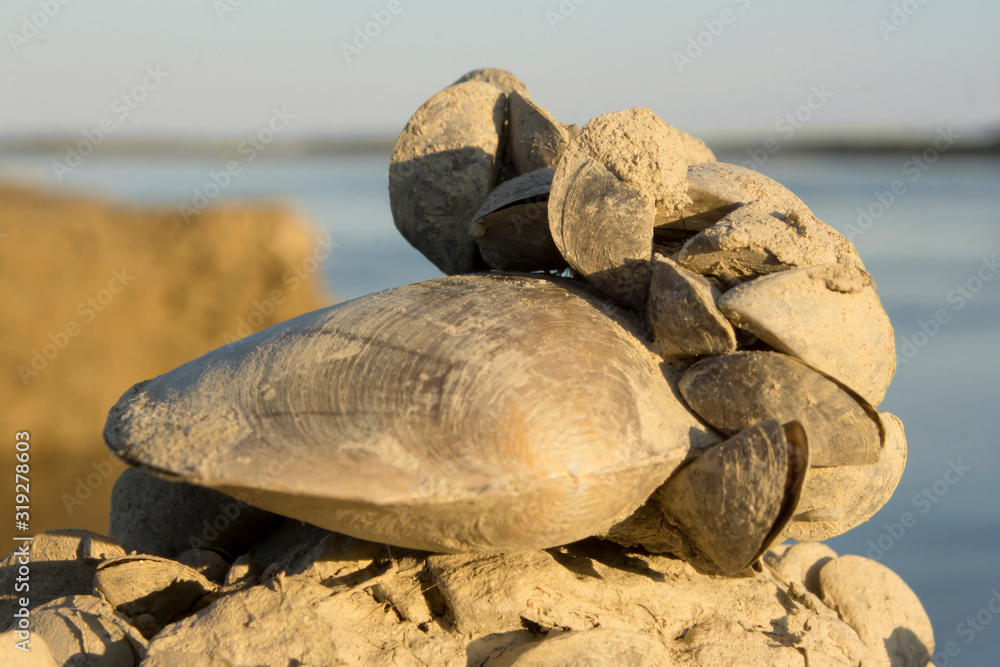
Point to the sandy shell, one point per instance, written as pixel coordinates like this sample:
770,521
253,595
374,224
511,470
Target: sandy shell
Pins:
734,500
512,225
603,227
536,139
881,608
834,500
683,314
443,166
83,629
828,316
471,413
590,648
715,189
693,149
499,78
162,588
734,391
759,238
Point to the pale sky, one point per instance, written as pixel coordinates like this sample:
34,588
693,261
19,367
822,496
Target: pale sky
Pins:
227,64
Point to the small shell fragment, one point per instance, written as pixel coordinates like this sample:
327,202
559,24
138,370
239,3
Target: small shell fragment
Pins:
835,500
828,316
512,225
683,314
443,166
603,227
536,140
162,588
734,391
734,500
759,238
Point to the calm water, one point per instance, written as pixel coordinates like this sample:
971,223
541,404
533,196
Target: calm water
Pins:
932,251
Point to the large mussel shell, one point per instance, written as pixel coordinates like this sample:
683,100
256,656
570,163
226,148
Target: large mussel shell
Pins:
469,413
536,139
737,390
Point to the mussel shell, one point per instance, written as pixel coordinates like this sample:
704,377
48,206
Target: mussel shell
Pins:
603,227
512,225
443,166
734,500
756,239
470,413
683,314
828,316
536,139
737,390
834,500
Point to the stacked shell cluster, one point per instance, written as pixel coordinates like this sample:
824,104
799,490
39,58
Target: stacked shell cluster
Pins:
765,311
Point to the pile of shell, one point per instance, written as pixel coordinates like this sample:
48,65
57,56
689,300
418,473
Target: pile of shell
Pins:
768,311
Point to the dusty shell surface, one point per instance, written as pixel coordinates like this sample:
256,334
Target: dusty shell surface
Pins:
683,313
640,149
62,562
210,564
424,416
828,316
734,391
759,238
881,608
443,166
603,227
37,655
512,226
536,140
499,78
834,500
162,588
692,148
800,563
154,516
733,501
589,648
83,629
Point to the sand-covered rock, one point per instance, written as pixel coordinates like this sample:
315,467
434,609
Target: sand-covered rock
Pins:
97,296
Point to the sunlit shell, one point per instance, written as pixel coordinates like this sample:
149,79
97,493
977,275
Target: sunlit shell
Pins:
758,238
603,227
683,314
499,78
598,646
834,500
470,413
443,166
512,225
734,391
536,140
725,508
828,316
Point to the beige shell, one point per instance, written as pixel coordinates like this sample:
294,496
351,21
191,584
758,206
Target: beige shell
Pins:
693,149
443,166
717,188
683,314
828,316
734,391
758,238
536,139
470,413
163,588
512,225
603,227
498,78
834,500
